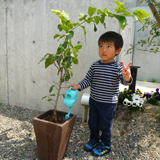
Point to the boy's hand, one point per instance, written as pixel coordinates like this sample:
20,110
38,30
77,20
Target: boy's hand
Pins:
126,72
75,86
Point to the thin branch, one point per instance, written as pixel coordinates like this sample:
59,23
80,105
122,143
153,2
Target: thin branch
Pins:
55,65
50,102
144,50
78,25
64,87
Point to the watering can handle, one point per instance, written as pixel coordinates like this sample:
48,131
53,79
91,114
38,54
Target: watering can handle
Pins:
70,88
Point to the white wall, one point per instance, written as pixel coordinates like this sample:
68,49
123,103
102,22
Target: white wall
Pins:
26,31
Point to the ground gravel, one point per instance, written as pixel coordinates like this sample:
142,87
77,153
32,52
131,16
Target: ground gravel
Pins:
135,135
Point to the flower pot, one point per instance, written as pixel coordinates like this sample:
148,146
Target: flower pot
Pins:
52,138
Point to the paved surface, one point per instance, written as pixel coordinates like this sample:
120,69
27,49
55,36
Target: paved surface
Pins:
144,87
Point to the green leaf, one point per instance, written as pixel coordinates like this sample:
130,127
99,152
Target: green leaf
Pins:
89,20
99,11
62,47
104,24
56,35
109,14
68,64
83,27
76,24
51,88
56,57
44,97
95,28
66,15
69,35
142,42
121,9
105,10
135,17
82,16
91,10
59,27
75,60
122,20
96,19
66,52
69,24
63,27
78,47
49,100
44,58
52,95
74,51
62,19
102,19
71,74
57,12
61,37
49,60
140,14
67,77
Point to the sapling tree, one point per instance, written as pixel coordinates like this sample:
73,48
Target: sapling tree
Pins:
67,53
154,33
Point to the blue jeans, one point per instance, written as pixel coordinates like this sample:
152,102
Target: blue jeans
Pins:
100,118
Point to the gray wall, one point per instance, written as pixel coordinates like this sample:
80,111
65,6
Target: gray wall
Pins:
149,62
26,31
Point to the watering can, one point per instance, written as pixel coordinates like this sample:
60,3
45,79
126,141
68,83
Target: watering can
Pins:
69,101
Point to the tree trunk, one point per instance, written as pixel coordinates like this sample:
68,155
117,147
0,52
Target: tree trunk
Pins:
155,13
56,102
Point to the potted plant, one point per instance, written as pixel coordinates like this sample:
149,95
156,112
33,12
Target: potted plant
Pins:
134,101
153,98
52,137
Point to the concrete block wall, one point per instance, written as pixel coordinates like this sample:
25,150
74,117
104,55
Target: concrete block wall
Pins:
26,31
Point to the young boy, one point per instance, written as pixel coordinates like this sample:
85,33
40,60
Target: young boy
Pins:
104,77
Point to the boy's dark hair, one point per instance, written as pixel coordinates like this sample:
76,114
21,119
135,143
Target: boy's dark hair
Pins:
112,36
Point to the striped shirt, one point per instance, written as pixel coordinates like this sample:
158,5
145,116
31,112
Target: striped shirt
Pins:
104,80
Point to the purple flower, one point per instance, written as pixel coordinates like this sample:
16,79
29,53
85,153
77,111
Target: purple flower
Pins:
147,95
157,90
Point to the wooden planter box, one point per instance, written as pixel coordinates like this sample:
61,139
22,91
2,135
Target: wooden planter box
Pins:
52,138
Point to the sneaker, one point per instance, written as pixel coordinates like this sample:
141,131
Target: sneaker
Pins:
92,143
101,149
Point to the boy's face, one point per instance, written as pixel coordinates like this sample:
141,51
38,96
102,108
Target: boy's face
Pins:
107,51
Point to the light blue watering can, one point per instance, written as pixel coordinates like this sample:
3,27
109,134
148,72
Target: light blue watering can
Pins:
69,101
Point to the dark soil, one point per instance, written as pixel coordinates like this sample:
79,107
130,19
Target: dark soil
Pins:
60,118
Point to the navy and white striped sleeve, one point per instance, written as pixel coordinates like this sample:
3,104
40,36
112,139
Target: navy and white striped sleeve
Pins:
126,83
122,77
87,81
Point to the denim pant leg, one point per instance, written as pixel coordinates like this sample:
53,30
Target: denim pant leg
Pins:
106,115
93,120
